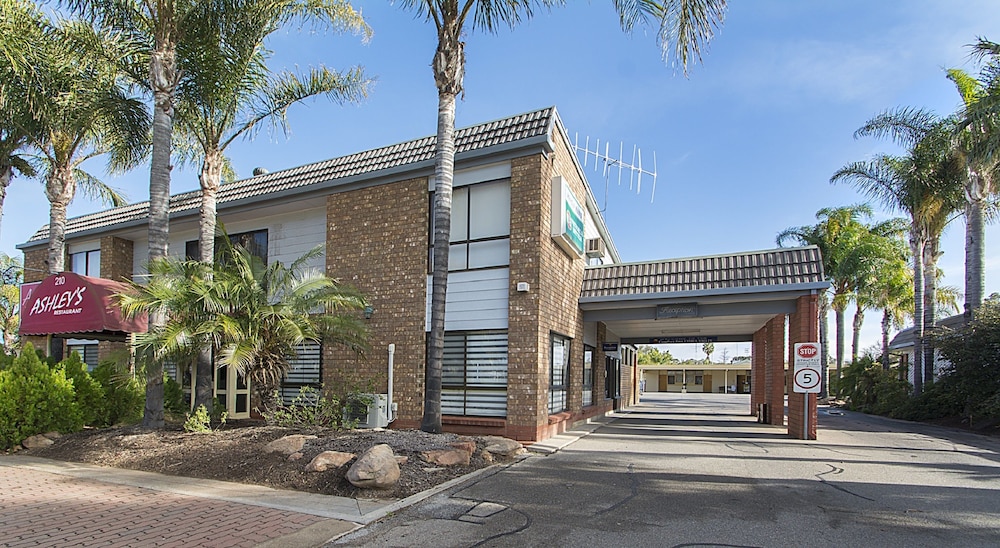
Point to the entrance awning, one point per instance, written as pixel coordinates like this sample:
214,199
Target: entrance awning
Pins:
71,305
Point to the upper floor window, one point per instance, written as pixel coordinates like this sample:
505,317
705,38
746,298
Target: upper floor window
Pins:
86,263
254,241
480,226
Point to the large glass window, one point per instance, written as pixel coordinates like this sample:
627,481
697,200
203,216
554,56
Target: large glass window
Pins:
558,373
474,373
588,375
480,226
86,263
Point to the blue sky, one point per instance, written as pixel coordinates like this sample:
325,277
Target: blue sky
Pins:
745,145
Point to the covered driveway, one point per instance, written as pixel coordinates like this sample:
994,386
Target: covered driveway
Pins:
740,297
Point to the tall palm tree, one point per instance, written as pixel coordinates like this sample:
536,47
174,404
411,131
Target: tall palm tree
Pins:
253,315
228,92
982,166
839,232
684,27
922,184
21,24
82,110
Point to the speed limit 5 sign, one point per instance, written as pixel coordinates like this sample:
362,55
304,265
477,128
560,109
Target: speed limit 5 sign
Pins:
806,374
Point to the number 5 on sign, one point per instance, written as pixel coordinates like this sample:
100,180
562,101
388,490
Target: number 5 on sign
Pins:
806,377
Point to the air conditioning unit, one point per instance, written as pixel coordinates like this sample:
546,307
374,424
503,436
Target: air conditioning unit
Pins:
596,247
368,415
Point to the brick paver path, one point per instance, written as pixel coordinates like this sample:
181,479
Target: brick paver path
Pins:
42,509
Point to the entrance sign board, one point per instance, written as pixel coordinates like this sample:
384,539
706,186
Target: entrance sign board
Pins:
807,372
611,350
567,218
677,340
679,310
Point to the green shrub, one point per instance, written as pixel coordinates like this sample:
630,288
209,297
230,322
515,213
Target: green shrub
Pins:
174,399
89,392
972,378
870,389
308,408
201,421
124,395
35,399
937,401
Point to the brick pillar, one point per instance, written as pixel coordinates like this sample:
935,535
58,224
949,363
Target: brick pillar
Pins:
757,353
803,326
116,264
774,376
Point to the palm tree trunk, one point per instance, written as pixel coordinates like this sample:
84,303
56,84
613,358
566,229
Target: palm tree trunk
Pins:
859,320
917,250
449,68
886,324
930,307
59,189
6,174
824,340
975,232
211,175
163,81
841,329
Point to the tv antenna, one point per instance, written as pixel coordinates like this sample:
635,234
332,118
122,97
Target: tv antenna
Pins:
605,162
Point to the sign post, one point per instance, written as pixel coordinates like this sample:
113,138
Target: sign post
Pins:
806,377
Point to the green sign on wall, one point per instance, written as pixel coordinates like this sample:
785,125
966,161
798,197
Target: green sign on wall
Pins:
567,218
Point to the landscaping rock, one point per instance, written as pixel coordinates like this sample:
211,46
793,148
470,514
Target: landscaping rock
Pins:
327,459
447,457
38,440
288,444
503,446
466,445
295,456
376,468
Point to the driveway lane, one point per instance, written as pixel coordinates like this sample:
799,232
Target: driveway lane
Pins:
696,470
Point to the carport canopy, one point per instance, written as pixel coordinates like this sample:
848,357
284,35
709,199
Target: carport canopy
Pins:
717,298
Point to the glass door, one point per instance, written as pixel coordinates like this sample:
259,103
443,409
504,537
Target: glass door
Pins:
233,388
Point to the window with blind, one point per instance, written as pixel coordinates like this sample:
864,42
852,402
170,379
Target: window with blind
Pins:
87,352
480,227
474,374
558,373
86,263
305,370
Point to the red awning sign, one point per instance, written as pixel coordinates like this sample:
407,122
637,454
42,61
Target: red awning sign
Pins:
69,303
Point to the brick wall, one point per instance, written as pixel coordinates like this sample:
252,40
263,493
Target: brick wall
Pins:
36,266
116,258
775,375
377,242
803,326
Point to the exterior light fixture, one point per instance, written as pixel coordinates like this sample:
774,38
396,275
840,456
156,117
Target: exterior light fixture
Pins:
369,311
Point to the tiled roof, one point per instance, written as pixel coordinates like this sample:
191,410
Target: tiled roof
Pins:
499,132
777,267
905,339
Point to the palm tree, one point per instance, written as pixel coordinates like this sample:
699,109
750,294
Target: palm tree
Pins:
684,27
21,24
82,110
251,314
981,164
879,264
838,233
923,185
228,91
11,276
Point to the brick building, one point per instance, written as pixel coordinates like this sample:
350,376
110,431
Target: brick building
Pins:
521,357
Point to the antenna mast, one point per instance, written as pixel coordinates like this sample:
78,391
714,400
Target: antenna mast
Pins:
605,161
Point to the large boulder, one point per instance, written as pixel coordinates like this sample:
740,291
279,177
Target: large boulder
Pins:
376,468
288,444
38,440
328,459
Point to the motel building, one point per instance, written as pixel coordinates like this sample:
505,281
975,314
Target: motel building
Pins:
543,317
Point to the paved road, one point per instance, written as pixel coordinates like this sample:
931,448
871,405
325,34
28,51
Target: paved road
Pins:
695,470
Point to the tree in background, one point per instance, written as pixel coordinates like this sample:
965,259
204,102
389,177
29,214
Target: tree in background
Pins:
925,184
11,276
228,91
708,348
650,355
683,28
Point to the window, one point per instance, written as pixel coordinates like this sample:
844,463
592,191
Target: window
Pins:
699,379
480,227
254,241
558,373
87,352
474,373
86,263
305,370
588,375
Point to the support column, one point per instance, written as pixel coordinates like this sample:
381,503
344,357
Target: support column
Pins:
803,326
757,353
774,376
